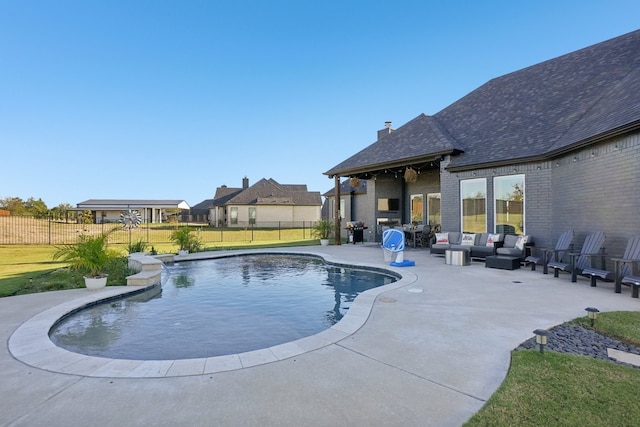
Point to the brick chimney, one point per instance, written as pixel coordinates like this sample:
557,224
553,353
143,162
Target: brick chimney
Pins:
245,183
386,131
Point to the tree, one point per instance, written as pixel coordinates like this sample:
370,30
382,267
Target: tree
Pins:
87,217
37,208
60,211
15,205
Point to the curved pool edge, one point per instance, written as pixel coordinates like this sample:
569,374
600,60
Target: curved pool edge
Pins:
30,342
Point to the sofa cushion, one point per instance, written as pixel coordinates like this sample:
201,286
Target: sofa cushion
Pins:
455,237
482,251
442,238
509,252
510,241
522,240
493,238
468,239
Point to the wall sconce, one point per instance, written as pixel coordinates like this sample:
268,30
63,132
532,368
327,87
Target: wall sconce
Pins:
592,313
541,338
575,159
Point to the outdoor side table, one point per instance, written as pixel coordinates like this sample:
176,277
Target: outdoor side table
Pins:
457,257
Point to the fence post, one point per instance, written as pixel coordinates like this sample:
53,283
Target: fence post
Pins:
49,229
279,231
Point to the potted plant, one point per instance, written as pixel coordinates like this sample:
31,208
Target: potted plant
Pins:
322,230
186,240
89,255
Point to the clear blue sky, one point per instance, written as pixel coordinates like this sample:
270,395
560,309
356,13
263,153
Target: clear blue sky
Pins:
171,99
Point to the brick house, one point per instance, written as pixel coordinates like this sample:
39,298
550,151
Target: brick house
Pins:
551,147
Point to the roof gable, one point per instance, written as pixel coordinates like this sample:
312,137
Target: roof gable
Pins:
269,191
419,138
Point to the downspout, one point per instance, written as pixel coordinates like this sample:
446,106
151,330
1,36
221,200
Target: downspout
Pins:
336,212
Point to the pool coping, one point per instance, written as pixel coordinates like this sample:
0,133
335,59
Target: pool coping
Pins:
30,342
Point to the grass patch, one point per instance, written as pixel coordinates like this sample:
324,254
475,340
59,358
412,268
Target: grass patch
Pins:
569,390
621,325
562,389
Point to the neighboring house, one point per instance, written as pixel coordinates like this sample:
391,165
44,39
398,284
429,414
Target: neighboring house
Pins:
266,203
551,147
153,211
355,205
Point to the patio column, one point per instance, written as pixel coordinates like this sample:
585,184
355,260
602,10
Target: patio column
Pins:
336,212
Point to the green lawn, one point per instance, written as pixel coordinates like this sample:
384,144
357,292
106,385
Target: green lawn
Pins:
569,390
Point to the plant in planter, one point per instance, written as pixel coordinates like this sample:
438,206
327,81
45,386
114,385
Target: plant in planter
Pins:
187,240
90,255
322,230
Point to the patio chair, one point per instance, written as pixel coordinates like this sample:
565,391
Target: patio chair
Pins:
623,267
634,282
579,261
425,236
546,255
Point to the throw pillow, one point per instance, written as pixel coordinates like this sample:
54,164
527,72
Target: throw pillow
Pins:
442,237
521,242
493,238
468,239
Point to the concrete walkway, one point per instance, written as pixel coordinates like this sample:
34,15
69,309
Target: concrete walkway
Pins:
428,350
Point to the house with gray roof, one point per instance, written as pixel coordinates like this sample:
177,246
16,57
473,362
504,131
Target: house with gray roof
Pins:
551,147
266,203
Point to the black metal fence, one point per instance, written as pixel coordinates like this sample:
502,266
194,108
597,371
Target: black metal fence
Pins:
27,230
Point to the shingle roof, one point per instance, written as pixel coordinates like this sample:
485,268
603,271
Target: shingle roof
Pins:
534,113
271,192
419,138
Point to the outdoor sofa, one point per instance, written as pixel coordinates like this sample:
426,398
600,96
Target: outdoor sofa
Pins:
481,245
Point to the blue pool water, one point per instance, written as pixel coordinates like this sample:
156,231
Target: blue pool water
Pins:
219,307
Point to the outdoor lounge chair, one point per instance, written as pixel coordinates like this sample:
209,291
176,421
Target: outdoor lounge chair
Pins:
634,282
579,261
623,267
546,255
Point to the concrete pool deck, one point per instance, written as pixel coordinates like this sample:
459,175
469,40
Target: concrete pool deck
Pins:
427,350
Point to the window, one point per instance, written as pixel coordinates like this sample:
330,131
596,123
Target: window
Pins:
473,194
509,203
252,216
332,207
433,208
417,208
233,215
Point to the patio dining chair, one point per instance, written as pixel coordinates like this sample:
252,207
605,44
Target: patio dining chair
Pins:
623,267
578,261
544,256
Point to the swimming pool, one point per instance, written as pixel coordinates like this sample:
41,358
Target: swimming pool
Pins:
218,307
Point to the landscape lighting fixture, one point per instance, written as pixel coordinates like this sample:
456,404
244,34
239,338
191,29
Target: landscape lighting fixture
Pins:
541,338
592,313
